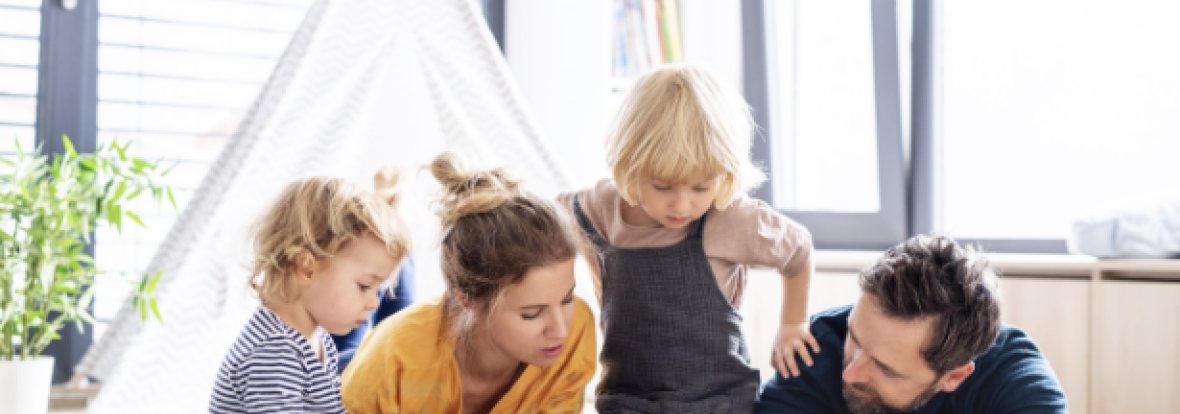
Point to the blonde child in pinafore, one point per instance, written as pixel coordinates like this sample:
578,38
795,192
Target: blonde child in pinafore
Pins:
676,234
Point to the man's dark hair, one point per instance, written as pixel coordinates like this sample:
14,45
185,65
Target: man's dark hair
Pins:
931,276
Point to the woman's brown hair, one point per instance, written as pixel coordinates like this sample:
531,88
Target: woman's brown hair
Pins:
494,232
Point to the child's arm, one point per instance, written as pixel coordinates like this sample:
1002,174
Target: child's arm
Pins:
794,331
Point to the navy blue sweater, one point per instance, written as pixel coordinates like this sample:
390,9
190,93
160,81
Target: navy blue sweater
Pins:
1012,377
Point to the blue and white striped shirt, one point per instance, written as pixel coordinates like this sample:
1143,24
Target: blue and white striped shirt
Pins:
273,369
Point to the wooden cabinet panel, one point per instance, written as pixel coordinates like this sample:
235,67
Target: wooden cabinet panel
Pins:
831,289
1137,347
1056,314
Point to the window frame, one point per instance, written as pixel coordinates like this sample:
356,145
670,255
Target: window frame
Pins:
908,193
836,230
67,104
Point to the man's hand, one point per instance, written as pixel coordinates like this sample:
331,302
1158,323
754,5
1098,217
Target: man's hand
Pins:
790,339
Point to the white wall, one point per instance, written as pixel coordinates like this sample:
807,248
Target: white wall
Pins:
711,31
560,54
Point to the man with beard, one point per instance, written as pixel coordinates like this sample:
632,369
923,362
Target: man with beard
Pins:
924,337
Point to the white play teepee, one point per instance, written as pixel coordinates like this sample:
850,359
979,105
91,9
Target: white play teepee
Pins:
364,83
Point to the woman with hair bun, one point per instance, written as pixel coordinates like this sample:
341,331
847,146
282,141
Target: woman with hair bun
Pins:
509,335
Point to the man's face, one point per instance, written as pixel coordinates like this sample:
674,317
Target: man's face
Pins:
883,367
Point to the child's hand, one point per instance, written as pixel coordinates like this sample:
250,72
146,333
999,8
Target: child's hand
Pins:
790,339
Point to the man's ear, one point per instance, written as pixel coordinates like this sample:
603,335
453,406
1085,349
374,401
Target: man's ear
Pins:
955,377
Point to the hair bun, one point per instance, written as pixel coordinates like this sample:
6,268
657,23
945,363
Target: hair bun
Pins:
470,191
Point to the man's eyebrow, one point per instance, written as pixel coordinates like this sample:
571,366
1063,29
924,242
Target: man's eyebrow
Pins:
888,370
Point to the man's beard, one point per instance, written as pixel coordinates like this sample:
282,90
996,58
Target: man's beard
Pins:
871,403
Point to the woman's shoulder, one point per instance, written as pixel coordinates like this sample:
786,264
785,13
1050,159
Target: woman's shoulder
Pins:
404,352
582,312
411,334
421,314
584,328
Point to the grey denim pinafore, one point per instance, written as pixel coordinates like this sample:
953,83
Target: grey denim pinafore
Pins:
672,341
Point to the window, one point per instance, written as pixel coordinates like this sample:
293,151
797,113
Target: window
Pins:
824,79
177,78
825,150
1026,116
20,53
1052,109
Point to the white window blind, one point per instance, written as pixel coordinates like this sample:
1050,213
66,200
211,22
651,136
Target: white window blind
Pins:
176,77
20,52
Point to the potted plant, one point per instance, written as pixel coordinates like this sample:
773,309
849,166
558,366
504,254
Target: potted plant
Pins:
49,206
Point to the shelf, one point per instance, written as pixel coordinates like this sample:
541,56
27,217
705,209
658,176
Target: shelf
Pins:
620,85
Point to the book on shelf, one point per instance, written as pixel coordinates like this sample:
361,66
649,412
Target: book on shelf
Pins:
670,26
646,35
651,32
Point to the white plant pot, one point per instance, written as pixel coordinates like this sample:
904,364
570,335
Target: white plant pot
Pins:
24,385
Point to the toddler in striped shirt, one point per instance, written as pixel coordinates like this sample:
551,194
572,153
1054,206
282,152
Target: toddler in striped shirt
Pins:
320,255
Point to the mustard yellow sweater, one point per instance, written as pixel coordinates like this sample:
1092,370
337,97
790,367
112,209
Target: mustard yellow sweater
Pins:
403,367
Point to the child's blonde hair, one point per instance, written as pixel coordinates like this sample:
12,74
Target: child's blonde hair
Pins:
677,122
313,219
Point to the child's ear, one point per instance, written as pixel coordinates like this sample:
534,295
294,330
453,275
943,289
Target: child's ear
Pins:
305,269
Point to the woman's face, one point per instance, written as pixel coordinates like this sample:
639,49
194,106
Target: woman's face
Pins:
533,320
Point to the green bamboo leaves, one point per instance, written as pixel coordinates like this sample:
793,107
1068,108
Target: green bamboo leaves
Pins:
49,206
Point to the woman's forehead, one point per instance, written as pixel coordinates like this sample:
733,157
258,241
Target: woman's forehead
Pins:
542,285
